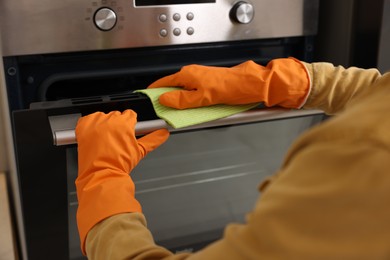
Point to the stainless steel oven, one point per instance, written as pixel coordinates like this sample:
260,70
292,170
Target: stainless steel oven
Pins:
65,59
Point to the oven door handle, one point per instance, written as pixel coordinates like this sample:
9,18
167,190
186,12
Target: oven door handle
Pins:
63,126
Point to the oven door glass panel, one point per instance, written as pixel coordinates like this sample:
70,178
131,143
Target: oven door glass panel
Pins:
197,182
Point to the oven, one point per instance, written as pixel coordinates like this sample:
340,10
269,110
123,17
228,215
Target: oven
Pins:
66,59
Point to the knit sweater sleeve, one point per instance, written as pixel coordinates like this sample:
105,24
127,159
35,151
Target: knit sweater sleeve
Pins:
333,87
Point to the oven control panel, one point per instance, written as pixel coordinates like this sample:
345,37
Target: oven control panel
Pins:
54,26
105,18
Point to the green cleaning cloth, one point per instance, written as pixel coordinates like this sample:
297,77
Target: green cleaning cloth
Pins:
192,116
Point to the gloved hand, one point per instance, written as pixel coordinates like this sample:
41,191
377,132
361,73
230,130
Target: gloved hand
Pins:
283,82
107,152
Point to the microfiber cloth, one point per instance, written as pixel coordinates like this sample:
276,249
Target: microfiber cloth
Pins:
178,118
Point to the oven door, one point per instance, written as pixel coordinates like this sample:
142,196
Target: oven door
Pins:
190,187
186,185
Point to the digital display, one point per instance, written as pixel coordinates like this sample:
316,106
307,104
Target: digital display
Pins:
170,2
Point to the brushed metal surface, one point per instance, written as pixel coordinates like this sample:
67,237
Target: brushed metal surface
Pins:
54,26
7,151
3,123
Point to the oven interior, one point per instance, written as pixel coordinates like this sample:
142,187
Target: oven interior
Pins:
51,77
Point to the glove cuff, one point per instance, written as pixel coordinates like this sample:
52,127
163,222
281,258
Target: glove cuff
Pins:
105,198
290,83
309,84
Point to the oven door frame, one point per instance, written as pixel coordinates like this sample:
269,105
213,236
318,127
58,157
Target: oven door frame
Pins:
45,216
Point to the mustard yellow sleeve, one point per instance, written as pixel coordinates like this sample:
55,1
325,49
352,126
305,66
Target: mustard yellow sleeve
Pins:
329,200
124,236
332,88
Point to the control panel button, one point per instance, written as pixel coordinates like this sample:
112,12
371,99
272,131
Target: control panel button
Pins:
176,31
242,12
190,16
105,19
190,31
163,18
176,17
163,32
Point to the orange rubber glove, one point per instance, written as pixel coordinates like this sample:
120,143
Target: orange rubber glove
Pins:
107,152
283,82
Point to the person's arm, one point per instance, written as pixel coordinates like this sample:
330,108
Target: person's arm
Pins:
334,87
283,82
328,201
107,152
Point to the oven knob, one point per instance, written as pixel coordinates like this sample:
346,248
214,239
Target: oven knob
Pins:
242,12
105,19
